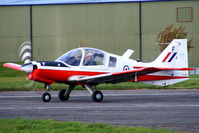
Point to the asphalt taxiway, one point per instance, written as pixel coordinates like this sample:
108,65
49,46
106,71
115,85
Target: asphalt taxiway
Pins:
173,109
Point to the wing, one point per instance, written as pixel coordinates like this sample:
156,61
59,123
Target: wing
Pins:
13,66
120,76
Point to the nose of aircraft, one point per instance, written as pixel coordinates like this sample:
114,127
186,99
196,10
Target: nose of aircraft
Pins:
28,68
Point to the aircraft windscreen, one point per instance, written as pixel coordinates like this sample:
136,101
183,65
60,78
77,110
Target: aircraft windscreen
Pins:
72,57
93,57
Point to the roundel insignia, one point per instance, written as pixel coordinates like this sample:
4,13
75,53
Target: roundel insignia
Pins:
126,68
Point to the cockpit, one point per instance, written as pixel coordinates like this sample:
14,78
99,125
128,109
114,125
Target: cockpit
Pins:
84,57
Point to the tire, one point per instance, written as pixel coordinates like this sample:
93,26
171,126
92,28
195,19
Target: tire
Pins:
46,97
97,96
62,95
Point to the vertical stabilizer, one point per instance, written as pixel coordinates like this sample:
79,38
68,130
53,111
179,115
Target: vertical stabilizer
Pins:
174,56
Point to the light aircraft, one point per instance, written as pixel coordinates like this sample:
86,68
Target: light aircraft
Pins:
89,67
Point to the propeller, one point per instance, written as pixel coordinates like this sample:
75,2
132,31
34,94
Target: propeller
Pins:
25,56
25,52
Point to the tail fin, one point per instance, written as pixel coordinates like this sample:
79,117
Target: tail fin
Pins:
174,56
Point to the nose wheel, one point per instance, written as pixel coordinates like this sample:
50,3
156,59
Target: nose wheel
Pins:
46,97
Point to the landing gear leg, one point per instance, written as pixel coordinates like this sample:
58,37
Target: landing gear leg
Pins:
65,93
46,97
97,96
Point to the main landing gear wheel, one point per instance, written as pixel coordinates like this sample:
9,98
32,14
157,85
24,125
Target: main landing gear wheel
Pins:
63,96
46,97
97,96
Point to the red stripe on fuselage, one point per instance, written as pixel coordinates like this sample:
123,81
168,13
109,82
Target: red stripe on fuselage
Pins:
157,77
59,76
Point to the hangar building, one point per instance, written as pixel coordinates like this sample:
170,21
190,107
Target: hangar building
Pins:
56,26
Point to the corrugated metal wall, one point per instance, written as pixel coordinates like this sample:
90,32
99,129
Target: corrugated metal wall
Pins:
111,27
59,28
14,30
157,15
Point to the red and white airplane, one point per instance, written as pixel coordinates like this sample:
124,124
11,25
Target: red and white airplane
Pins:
89,67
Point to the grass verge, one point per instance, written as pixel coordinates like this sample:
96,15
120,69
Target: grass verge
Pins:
7,72
21,83
52,126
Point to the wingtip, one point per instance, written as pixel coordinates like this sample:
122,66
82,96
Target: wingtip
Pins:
13,66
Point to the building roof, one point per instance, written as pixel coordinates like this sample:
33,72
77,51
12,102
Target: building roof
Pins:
54,2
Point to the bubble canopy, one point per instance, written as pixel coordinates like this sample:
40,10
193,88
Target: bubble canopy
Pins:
84,57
